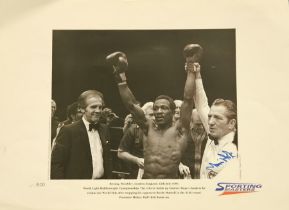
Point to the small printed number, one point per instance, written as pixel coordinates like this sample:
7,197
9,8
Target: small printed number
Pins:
40,184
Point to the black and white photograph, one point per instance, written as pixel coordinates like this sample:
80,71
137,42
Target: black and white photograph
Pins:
144,104
163,103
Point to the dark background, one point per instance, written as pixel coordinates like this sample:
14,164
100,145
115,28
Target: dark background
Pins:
156,64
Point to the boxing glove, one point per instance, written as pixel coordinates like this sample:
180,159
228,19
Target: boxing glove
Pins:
119,62
193,53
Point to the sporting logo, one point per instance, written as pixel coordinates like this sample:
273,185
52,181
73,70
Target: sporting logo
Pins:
237,188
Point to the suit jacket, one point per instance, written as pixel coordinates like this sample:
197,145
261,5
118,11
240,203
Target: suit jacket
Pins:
71,155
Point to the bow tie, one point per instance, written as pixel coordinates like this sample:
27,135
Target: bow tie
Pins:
93,126
213,139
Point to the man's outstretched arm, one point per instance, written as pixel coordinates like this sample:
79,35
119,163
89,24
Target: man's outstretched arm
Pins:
201,100
187,105
120,65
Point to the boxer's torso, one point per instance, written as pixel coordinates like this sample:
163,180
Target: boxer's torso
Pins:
162,152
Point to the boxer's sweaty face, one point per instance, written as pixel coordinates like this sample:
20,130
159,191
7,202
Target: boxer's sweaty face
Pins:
162,112
93,110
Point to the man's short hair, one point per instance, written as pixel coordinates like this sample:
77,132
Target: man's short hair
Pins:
169,99
177,102
88,94
146,106
229,105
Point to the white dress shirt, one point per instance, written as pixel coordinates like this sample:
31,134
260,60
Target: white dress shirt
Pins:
96,151
221,159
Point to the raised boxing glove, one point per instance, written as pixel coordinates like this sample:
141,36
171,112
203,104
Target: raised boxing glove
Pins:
193,53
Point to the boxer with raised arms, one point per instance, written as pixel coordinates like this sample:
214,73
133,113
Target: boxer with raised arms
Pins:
164,142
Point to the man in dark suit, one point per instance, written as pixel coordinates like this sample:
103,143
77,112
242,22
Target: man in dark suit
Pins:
82,149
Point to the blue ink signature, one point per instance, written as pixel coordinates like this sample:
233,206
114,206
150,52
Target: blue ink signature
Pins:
224,156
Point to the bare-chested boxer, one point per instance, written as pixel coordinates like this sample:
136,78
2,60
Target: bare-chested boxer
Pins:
164,142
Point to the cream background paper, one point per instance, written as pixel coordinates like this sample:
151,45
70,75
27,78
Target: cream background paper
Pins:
262,44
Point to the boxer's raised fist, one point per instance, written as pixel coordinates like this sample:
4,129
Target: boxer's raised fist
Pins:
119,62
193,53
